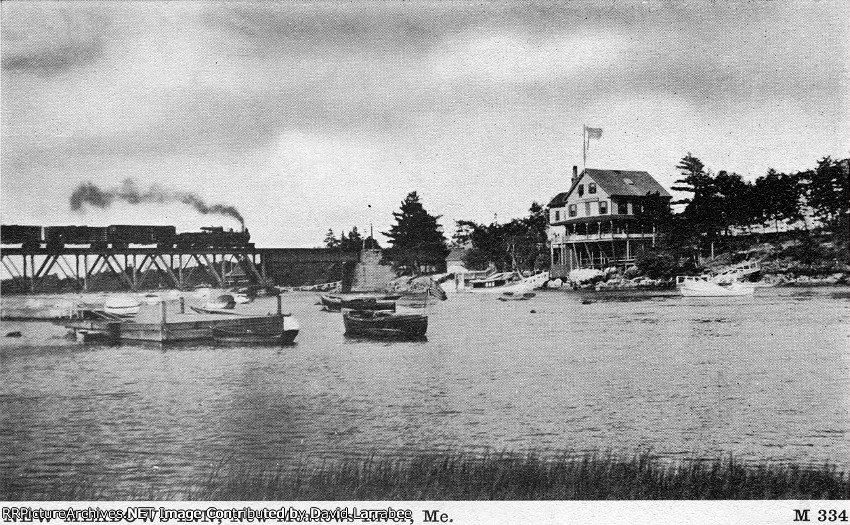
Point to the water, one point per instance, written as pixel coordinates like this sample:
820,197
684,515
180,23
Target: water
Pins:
765,378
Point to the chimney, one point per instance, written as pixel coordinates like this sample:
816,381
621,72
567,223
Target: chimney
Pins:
575,174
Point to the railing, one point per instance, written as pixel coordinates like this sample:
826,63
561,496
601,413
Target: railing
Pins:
605,236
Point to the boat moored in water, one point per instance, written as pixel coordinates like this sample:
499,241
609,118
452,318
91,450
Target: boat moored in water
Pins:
700,288
249,335
335,303
382,324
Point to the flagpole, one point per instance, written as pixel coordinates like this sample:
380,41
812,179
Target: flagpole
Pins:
583,148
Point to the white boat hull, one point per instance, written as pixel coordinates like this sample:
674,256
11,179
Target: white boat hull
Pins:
710,289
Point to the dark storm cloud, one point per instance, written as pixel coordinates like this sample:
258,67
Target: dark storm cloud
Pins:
53,59
45,38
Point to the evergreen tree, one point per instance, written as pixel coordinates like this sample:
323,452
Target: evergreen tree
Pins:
330,239
829,190
778,197
353,242
416,238
701,209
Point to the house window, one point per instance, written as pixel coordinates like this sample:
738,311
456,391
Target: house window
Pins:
556,255
580,190
557,215
591,188
587,209
572,210
603,207
623,207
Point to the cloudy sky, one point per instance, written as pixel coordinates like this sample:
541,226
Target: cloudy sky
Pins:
312,116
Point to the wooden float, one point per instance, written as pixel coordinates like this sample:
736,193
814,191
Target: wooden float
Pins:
183,327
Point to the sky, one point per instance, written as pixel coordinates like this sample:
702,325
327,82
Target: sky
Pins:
309,116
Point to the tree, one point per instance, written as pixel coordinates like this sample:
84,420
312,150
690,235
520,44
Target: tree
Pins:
829,195
352,242
734,201
829,190
702,206
330,239
518,244
778,197
416,239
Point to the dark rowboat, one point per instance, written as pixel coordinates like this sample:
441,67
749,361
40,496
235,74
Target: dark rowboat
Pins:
370,323
369,303
269,333
335,303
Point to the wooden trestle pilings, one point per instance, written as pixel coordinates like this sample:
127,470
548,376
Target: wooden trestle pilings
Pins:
132,266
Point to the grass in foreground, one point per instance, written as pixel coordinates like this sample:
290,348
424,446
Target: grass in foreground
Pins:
502,476
513,477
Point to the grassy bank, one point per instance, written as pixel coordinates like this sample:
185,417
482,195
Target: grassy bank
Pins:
506,477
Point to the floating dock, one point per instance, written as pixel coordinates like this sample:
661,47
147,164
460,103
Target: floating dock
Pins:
180,327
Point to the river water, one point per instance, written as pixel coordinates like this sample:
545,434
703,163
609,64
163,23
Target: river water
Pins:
766,378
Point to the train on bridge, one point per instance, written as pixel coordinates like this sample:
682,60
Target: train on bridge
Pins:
122,236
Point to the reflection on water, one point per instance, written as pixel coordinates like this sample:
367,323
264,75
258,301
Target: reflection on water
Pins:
764,377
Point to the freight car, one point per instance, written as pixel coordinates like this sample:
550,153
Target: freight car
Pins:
214,237
121,236
26,236
56,237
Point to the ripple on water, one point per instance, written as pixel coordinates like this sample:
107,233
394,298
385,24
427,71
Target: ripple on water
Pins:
763,379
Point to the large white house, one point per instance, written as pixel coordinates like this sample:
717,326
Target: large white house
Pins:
601,220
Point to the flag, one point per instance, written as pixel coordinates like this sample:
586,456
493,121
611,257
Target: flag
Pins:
594,133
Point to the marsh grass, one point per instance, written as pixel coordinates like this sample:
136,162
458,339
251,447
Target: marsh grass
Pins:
499,476
505,476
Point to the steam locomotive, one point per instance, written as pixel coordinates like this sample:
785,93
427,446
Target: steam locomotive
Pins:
121,236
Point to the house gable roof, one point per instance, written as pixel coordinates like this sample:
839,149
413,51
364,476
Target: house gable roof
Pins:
616,183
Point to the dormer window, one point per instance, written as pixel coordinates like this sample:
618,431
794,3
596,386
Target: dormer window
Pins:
591,188
580,190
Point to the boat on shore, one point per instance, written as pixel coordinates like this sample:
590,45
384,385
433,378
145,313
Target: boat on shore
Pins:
503,282
122,305
202,310
382,324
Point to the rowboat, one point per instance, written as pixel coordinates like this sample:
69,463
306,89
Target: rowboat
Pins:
369,303
122,305
518,296
248,335
335,303
202,310
332,303
383,324
222,302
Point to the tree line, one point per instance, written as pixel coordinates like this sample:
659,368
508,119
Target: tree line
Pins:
716,203
722,201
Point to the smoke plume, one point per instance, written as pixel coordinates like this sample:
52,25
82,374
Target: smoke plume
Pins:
89,194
